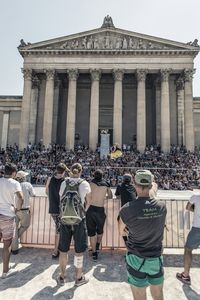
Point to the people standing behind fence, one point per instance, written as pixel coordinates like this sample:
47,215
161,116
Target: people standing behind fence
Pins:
95,215
125,192
8,189
193,239
74,192
145,220
52,190
23,215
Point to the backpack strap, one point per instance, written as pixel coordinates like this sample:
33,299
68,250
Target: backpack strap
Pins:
66,182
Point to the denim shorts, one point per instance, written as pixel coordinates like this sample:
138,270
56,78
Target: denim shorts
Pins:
193,239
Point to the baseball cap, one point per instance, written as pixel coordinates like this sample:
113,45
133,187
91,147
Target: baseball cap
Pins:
21,174
143,177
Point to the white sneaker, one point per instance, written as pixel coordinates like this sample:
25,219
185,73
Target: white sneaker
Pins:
8,274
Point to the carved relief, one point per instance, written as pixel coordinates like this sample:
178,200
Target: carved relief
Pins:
72,74
164,74
95,74
118,74
50,74
188,74
27,74
110,41
141,74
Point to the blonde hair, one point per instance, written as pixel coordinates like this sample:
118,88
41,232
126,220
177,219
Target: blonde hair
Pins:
76,168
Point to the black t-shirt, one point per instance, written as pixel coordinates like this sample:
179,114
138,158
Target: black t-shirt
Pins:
145,219
126,191
54,198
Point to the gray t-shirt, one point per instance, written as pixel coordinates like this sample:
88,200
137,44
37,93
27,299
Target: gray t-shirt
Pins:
145,220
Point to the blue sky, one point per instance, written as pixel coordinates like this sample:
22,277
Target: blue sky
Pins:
38,20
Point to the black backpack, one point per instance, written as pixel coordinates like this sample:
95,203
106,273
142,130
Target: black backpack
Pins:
71,208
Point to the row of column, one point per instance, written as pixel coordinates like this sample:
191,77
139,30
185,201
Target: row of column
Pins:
184,86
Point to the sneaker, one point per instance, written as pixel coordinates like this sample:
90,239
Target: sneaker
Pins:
95,256
183,278
9,274
60,280
81,281
55,255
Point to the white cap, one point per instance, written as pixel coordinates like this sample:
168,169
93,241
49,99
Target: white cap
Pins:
21,174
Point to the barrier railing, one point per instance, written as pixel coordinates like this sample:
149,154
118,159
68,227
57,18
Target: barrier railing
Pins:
41,232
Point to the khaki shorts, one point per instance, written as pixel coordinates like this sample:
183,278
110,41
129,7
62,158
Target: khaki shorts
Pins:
7,227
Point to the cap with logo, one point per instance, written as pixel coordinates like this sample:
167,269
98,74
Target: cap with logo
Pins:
143,177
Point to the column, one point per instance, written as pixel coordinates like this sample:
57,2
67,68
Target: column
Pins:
4,136
141,109
165,111
94,109
117,109
158,111
33,109
55,109
180,110
71,108
25,111
188,110
48,107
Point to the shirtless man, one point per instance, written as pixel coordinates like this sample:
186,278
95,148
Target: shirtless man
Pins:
95,216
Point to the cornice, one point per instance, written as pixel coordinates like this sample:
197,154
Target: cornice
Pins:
69,52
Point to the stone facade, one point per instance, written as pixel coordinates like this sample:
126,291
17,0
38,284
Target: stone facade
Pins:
136,86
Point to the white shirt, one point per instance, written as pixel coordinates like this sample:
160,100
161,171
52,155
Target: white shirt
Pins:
8,188
195,199
27,190
84,188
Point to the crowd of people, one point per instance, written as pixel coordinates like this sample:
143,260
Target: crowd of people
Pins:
77,208
179,169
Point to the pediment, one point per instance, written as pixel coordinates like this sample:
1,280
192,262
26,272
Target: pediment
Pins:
110,40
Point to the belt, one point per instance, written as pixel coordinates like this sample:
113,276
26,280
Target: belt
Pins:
24,209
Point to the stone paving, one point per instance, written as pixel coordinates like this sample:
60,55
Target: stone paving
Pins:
36,274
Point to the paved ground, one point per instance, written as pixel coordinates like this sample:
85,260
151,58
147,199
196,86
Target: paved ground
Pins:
37,272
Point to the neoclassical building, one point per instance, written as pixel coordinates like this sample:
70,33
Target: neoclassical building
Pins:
137,86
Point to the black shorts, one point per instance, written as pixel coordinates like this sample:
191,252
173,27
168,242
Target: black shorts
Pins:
95,218
79,233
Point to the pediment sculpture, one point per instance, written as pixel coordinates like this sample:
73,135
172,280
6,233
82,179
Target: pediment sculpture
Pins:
110,42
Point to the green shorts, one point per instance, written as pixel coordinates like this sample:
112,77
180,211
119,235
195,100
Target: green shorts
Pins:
143,272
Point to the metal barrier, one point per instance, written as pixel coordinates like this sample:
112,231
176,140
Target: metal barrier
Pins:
41,232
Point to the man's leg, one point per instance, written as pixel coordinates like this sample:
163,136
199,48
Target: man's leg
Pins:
57,238
187,261
99,240
63,258
93,241
15,241
6,255
80,244
24,221
157,291
78,262
139,293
